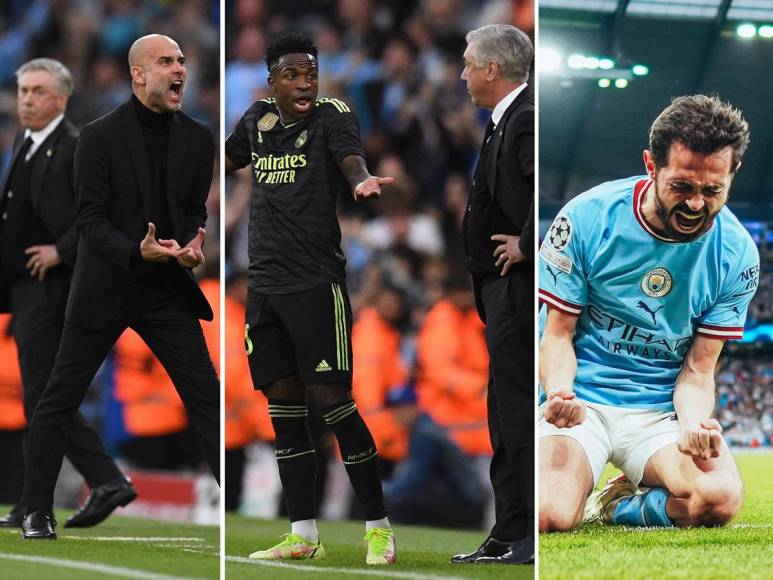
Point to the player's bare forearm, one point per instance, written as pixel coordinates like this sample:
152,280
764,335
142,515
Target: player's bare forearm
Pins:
694,400
558,368
363,184
354,169
557,364
694,392
557,359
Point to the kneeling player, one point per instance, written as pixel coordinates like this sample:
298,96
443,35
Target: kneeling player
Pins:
643,280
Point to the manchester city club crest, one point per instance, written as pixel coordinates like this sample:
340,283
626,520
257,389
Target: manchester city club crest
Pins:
560,233
301,139
267,121
656,283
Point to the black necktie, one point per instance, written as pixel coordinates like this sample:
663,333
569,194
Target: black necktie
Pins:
489,131
25,147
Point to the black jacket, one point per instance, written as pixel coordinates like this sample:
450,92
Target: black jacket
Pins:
112,178
52,192
510,168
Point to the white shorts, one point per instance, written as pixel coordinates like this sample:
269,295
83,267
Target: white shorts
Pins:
625,437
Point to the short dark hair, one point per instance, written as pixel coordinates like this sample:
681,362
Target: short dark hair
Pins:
701,123
288,43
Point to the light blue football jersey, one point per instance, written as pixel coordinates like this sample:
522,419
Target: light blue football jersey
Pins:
640,298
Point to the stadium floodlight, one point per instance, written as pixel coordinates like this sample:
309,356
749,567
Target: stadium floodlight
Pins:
765,31
591,62
621,83
605,83
549,59
576,61
640,70
606,63
746,30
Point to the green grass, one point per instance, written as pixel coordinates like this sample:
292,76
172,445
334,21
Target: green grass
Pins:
742,550
421,552
175,550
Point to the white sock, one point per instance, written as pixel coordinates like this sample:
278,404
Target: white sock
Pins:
306,529
382,523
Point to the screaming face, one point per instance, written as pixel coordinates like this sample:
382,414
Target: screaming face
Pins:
294,81
159,71
689,191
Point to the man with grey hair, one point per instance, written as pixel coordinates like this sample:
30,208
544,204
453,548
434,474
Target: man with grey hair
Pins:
38,243
499,242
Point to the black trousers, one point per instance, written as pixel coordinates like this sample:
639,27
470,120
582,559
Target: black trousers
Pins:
167,324
508,305
38,319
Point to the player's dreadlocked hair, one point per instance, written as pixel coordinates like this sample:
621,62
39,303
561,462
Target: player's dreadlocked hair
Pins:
702,124
289,43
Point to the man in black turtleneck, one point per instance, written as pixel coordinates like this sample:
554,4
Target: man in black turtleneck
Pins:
142,175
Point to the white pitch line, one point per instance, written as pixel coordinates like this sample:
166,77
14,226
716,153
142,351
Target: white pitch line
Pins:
358,571
90,567
134,539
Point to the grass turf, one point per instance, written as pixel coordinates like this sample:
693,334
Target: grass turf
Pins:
421,553
142,548
744,549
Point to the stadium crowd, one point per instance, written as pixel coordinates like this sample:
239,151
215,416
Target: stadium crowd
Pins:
420,361
132,401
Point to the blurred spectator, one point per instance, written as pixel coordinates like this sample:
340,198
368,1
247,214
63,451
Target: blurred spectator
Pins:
380,373
246,411
12,421
453,367
744,404
442,480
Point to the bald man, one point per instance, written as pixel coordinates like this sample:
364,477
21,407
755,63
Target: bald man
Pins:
142,175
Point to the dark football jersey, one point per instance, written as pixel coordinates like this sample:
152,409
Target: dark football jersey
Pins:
294,236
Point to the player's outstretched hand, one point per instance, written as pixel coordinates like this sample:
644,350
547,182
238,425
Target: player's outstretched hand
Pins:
507,253
703,441
564,409
371,187
191,255
153,251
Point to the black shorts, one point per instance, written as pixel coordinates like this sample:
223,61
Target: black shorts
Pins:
305,333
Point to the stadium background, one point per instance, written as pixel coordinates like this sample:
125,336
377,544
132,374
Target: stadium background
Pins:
132,402
420,363
592,130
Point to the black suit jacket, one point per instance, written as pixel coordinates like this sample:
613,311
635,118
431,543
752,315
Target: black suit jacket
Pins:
510,168
112,178
52,193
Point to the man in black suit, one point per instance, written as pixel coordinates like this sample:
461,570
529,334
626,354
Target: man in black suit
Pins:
142,175
38,243
499,242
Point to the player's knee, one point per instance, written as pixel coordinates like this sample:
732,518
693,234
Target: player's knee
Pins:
554,519
288,388
330,395
717,501
558,512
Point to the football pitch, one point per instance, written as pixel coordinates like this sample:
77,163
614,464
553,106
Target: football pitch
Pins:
121,547
744,549
422,553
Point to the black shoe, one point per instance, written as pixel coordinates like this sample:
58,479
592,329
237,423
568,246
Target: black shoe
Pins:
489,548
101,502
520,552
14,518
38,525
